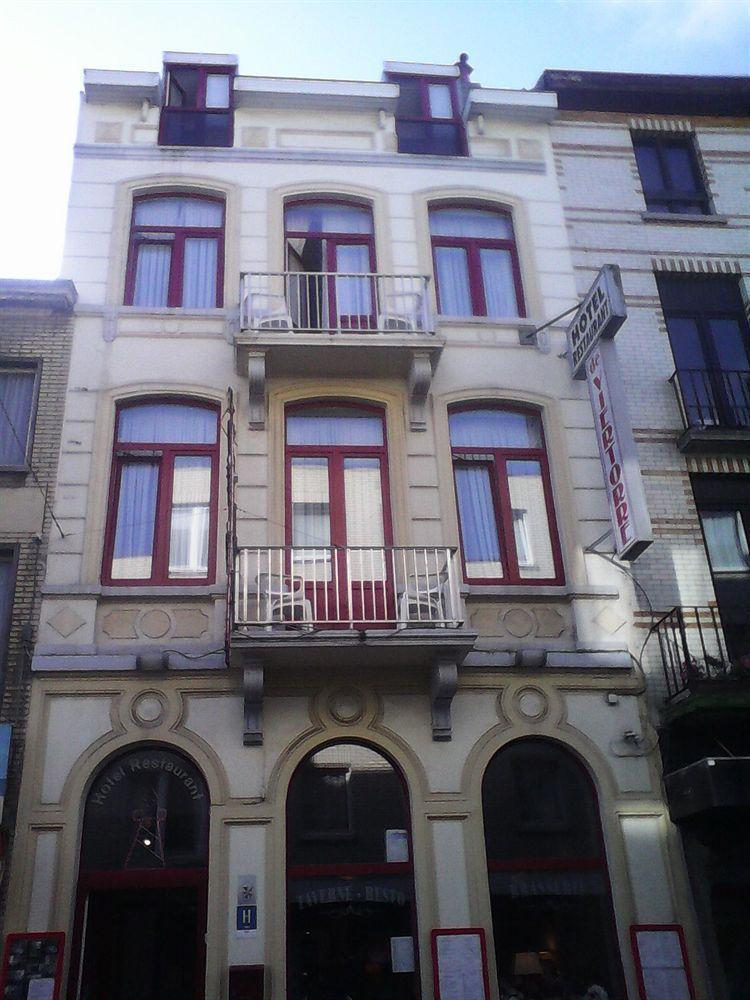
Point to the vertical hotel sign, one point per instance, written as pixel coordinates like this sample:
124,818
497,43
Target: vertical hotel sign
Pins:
594,357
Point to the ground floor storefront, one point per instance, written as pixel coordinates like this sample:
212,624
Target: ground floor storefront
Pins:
350,855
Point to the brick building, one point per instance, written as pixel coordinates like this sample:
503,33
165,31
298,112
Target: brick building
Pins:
36,332
654,173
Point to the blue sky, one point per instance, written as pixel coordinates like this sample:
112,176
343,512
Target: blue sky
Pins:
45,46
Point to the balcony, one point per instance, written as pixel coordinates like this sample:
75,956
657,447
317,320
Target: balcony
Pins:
715,409
344,324
393,610
699,657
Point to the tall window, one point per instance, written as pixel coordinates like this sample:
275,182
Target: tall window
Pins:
505,510
7,589
475,260
351,921
328,244
671,178
19,384
197,108
710,339
163,507
428,116
176,252
551,908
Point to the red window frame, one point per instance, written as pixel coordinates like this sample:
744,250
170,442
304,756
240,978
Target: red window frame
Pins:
175,237
164,455
473,245
199,107
502,505
427,117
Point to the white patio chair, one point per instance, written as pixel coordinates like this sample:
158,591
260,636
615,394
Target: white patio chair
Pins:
268,311
280,597
424,600
400,311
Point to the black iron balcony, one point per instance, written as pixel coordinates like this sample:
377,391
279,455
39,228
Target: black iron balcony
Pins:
696,652
715,408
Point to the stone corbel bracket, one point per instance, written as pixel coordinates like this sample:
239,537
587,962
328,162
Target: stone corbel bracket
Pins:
252,684
420,378
256,387
443,685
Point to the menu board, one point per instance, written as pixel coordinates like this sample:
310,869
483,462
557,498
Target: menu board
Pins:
32,966
459,960
661,962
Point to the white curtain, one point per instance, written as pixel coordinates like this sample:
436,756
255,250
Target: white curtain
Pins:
453,281
328,427
481,545
136,514
441,105
152,275
530,521
191,504
363,501
194,213
491,428
311,518
199,273
353,295
499,287
166,423
327,217
217,90
726,541
17,395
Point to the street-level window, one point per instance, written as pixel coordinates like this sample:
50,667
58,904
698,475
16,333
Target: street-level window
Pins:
428,117
162,523
505,511
197,108
176,252
670,174
548,879
476,263
19,386
710,339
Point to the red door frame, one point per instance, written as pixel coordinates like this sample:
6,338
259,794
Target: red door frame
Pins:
335,456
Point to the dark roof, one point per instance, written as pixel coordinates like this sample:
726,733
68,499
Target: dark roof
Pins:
59,294
648,93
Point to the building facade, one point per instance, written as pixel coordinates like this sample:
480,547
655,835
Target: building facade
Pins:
36,332
333,657
654,172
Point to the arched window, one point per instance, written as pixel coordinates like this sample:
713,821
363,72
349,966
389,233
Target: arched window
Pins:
505,509
141,904
164,486
351,920
328,244
475,261
551,908
176,253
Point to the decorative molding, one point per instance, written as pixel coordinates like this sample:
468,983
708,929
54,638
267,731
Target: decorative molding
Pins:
443,685
256,389
660,125
718,463
697,265
252,686
418,386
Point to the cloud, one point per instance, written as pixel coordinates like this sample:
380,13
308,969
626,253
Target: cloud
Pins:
664,23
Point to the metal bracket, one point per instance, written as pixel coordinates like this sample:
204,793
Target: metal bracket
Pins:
256,388
443,685
252,684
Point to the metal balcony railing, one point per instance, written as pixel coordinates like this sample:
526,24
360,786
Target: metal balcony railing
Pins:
355,587
694,650
328,302
712,397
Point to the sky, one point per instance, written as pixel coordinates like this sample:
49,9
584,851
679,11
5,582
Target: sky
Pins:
44,47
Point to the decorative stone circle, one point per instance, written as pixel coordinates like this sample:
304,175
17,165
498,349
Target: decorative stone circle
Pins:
155,624
346,705
148,709
531,703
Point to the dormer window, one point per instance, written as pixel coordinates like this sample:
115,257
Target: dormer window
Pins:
197,109
428,116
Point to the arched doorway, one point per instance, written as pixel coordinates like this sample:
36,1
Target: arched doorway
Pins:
141,906
351,920
552,916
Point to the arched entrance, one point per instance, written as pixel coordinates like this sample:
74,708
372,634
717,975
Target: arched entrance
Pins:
351,920
552,916
141,905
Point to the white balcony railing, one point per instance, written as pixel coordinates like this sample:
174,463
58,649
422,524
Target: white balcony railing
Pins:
355,587
327,302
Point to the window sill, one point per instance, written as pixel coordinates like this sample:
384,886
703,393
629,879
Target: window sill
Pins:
543,592
169,311
685,218
512,322
127,591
